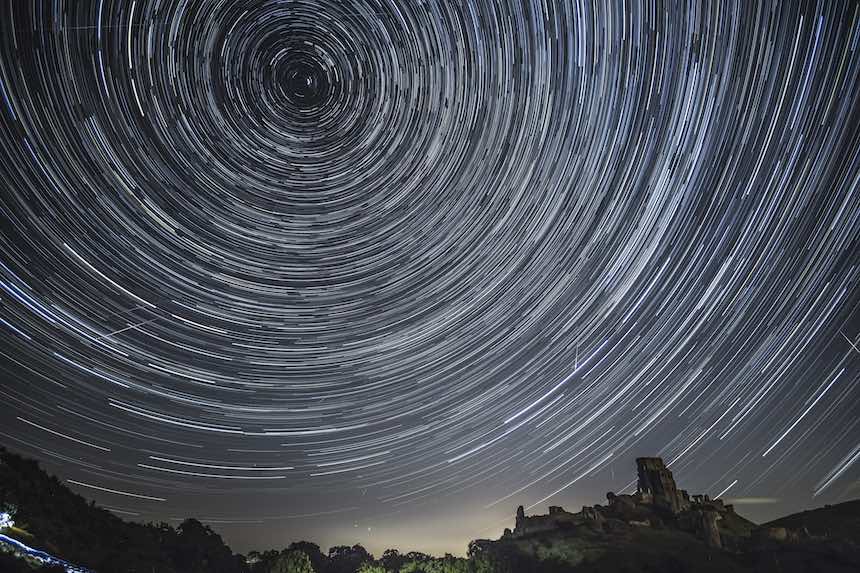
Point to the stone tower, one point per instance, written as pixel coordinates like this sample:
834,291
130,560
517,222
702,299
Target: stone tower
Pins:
657,484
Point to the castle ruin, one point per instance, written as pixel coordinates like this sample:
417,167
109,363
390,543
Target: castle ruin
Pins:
657,503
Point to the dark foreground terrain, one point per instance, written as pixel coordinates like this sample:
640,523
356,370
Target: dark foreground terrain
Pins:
44,526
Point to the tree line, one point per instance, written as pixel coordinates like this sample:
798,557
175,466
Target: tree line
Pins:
55,519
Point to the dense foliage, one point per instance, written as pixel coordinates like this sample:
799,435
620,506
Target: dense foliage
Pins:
64,524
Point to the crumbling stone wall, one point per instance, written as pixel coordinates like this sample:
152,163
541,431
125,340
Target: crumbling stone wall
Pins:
657,485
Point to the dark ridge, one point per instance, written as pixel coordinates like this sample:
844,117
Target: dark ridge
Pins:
841,520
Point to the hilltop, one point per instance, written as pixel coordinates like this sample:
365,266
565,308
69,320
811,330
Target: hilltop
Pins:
840,521
663,528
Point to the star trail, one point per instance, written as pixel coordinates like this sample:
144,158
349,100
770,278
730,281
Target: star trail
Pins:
379,271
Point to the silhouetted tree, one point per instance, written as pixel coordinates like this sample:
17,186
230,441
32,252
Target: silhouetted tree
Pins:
346,559
312,550
198,549
392,560
293,562
263,562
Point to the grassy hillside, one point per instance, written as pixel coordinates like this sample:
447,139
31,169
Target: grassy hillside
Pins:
840,521
635,550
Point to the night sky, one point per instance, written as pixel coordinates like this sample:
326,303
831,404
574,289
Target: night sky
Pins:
379,271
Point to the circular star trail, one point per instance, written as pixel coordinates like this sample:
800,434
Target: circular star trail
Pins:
307,263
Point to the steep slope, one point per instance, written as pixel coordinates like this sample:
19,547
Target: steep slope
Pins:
52,518
62,523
